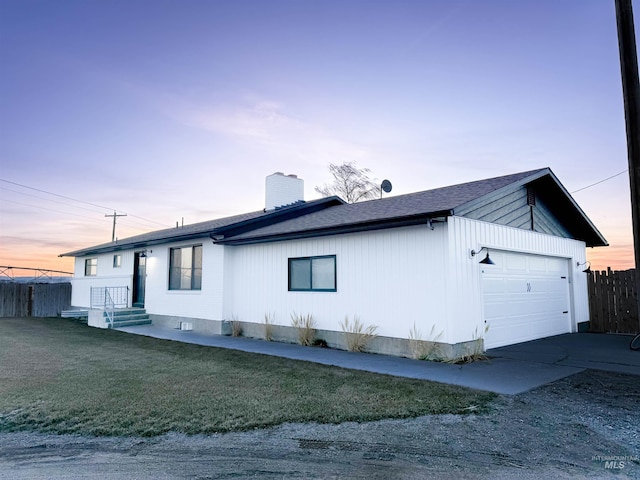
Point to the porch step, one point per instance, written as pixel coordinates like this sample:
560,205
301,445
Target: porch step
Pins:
81,314
122,317
131,322
128,317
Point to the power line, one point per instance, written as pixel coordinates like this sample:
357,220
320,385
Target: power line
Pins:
77,200
54,194
601,181
48,209
47,199
128,222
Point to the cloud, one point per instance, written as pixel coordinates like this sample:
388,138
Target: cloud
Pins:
267,125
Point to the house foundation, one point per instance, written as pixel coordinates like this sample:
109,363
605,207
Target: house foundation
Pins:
397,347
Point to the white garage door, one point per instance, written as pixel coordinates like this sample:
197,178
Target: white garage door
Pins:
524,297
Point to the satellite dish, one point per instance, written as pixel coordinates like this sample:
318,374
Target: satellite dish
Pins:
386,186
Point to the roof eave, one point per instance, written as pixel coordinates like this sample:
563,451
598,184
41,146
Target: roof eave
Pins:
115,247
602,241
412,220
275,216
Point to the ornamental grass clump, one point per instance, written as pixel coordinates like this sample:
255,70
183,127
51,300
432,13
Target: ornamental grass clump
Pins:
305,326
236,326
476,352
269,321
424,349
357,335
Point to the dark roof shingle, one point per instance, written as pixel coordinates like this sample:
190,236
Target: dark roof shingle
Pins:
437,201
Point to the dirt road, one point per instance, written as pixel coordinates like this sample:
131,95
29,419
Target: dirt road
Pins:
585,426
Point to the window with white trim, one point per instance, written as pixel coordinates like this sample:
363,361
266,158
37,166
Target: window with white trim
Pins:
312,274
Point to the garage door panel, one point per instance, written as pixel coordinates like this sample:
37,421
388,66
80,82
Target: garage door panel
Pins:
525,298
515,264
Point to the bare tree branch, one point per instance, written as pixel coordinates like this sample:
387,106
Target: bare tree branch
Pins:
351,183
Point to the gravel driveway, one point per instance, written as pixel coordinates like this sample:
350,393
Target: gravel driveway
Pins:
583,426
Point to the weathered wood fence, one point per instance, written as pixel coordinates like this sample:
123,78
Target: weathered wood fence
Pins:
34,300
612,302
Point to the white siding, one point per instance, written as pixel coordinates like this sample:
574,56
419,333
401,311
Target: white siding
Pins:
389,278
205,303
107,276
464,280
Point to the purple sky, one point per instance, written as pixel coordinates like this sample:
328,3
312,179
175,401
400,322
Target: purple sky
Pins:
172,109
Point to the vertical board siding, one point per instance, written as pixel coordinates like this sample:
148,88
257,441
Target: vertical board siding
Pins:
612,300
464,278
388,278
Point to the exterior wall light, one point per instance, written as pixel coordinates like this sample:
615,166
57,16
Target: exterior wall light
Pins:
486,260
586,270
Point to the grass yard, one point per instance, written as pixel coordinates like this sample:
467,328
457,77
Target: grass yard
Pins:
60,376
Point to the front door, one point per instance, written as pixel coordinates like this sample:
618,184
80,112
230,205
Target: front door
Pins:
139,278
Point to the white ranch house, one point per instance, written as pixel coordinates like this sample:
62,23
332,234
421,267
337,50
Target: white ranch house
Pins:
416,261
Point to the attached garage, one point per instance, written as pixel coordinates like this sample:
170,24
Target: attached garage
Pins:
525,297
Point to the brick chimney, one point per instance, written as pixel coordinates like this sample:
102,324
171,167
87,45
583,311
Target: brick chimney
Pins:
281,190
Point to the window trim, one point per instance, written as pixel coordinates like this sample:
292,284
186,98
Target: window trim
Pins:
310,259
117,260
91,262
193,277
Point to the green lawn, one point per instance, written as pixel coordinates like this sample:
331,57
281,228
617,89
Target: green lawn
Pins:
60,376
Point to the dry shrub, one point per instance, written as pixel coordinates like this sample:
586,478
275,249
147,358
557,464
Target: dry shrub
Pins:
236,326
269,321
306,328
357,335
476,353
424,349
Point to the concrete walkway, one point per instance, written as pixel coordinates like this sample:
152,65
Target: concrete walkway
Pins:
510,370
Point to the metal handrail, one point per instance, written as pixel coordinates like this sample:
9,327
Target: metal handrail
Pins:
118,295
109,306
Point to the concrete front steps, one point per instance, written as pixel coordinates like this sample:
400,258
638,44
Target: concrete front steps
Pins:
122,317
128,317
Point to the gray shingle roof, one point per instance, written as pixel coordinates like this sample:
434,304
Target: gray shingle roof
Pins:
332,215
167,234
441,201
202,229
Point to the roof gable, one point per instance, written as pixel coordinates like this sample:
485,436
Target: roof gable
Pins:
420,207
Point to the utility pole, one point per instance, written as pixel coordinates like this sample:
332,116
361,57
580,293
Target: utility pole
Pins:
115,215
631,93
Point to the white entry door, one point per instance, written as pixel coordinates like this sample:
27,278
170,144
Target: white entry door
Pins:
524,297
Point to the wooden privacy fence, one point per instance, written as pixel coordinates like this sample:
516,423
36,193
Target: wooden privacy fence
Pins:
34,300
612,302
